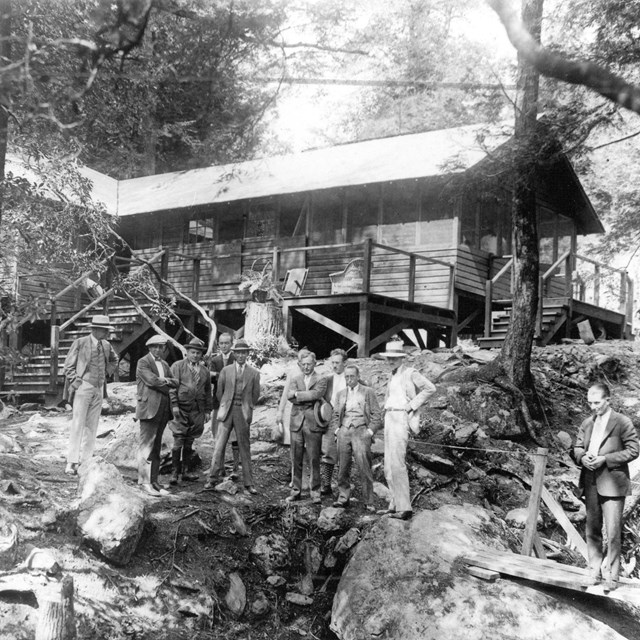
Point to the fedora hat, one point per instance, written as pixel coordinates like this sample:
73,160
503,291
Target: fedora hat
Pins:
196,343
241,345
155,341
322,411
100,322
394,349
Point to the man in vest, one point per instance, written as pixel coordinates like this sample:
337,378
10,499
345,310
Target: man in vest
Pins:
335,384
356,419
606,443
89,361
154,380
191,405
223,358
408,390
238,392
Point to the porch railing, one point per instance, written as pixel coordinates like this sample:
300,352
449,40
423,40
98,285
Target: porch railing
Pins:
491,283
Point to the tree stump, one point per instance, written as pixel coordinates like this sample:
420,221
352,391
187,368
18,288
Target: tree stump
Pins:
262,320
56,619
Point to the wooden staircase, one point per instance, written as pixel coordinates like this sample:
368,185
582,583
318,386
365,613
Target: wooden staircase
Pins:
33,379
555,314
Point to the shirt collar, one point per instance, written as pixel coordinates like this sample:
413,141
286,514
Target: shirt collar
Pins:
604,418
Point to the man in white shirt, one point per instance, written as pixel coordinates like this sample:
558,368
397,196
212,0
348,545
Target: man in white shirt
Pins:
605,444
335,384
356,419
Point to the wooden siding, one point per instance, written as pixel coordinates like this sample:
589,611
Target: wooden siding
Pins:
44,286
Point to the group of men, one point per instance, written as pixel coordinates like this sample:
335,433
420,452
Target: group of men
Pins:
334,420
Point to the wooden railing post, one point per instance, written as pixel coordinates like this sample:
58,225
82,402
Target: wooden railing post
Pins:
623,292
275,266
596,285
629,313
366,267
568,275
195,288
55,355
537,484
488,295
412,278
540,306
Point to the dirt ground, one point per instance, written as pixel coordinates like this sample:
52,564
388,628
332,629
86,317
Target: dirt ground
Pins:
175,585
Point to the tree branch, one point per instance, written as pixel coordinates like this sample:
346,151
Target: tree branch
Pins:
580,72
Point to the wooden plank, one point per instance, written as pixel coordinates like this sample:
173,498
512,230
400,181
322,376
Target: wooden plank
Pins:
364,330
538,547
385,335
426,318
574,538
540,465
483,574
329,324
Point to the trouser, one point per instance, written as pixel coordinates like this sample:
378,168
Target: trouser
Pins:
214,430
396,437
356,442
87,404
150,444
310,441
187,428
329,446
608,511
235,422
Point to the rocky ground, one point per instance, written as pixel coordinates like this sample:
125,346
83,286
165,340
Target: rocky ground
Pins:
225,564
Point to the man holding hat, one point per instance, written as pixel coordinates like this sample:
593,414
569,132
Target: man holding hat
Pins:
191,405
238,393
154,381
408,390
89,361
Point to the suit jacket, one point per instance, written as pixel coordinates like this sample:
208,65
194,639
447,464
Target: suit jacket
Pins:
189,395
417,389
77,362
226,390
372,413
216,365
302,409
619,446
151,387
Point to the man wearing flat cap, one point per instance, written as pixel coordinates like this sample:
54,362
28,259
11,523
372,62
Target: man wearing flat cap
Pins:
89,361
408,390
191,407
238,393
153,410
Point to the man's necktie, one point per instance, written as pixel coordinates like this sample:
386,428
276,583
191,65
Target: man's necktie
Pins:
100,349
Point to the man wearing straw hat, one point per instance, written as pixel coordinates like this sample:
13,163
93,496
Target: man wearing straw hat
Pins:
154,380
89,361
238,392
408,390
191,405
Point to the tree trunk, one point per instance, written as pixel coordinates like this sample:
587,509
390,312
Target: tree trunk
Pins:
56,619
263,320
516,350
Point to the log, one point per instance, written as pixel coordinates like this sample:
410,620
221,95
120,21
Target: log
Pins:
56,620
263,320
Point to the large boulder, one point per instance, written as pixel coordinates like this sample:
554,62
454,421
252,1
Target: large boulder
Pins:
403,583
110,514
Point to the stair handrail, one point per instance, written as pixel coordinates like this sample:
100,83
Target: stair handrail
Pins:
567,258
488,295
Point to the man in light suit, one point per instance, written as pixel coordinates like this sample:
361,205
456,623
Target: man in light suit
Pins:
191,405
408,390
89,361
356,419
305,389
152,409
223,358
605,444
238,392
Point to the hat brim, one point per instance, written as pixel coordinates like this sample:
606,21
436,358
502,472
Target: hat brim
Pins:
322,412
247,349
102,326
389,356
195,347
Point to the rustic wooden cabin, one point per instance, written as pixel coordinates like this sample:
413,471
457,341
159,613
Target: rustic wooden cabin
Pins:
408,233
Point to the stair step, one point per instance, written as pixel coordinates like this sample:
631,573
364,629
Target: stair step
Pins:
491,343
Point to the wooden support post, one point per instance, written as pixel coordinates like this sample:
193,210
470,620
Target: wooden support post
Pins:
287,321
366,266
596,285
164,271
412,278
629,313
55,355
275,265
488,294
623,292
419,340
537,484
195,285
364,331
56,619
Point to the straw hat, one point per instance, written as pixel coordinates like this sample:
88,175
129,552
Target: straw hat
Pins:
100,322
241,345
394,349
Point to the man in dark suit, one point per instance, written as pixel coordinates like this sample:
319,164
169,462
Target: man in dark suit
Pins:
152,409
223,358
356,419
305,389
238,392
606,443
191,405
89,361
